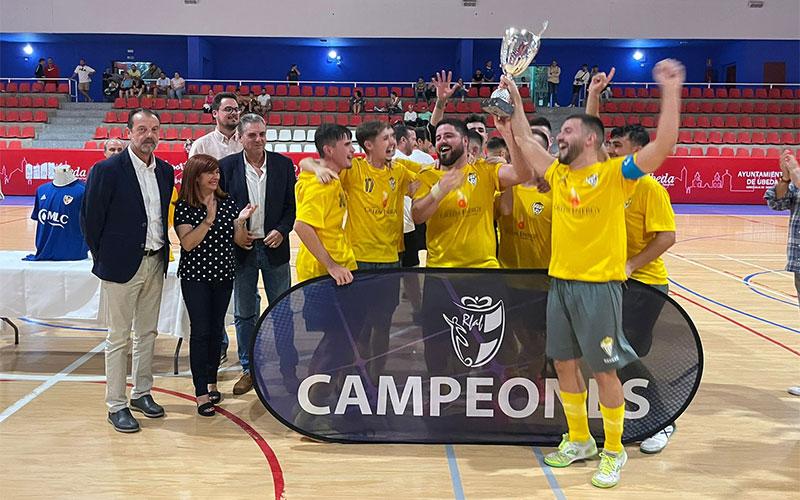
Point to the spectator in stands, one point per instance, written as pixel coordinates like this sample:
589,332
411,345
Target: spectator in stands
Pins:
138,87
177,86
578,83
357,103
395,105
151,73
266,181
134,72
553,79
84,75
208,102
488,72
424,143
126,87
293,75
112,147
187,146
130,247
162,85
51,70
242,100
477,123
424,116
410,116
419,90
460,90
430,90
112,90
263,103
785,195
477,79
39,71
207,222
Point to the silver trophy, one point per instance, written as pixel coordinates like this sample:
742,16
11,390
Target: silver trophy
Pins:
518,49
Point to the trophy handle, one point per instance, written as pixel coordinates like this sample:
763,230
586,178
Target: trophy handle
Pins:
544,27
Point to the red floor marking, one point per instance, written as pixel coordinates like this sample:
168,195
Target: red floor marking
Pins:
765,337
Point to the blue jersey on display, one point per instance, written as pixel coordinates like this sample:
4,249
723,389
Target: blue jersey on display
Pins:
58,231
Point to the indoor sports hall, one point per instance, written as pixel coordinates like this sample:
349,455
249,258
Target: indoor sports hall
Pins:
726,384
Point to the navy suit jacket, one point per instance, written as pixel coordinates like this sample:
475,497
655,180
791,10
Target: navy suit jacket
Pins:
113,216
280,204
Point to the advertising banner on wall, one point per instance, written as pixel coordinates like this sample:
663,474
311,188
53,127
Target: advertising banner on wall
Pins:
454,356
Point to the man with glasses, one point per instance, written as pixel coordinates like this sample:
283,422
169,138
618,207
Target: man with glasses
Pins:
222,142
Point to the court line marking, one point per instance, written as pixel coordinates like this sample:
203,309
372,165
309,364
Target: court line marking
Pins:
548,473
743,313
765,337
725,273
455,476
50,382
747,281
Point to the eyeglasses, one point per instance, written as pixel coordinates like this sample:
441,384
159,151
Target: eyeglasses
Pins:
230,110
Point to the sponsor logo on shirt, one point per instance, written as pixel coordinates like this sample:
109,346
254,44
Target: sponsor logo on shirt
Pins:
53,218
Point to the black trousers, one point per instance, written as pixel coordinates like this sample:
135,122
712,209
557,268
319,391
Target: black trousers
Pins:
207,304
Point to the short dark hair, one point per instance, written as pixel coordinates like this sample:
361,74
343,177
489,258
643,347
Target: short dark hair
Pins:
143,111
636,134
192,169
401,131
592,123
459,125
423,133
475,117
474,136
496,143
542,136
541,121
328,134
368,131
218,99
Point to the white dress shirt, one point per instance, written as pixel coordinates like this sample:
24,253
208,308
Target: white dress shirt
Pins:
422,158
257,193
146,175
217,145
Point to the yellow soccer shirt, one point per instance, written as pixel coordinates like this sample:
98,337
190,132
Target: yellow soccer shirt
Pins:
525,234
323,207
588,237
375,208
461,231
647,212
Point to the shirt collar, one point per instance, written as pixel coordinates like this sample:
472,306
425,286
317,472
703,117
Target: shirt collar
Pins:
263,164
219,136
137,163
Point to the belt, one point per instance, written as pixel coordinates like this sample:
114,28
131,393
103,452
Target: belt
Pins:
150,253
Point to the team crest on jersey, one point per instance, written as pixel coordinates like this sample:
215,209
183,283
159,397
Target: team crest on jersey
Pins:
537,208
628,202
592,180
392,183
67,199
472,178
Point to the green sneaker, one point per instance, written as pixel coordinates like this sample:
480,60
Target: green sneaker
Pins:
608,471
571,451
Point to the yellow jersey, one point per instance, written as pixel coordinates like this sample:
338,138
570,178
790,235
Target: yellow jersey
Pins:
461,231
588,237
375,208
323,207
525,234
647,212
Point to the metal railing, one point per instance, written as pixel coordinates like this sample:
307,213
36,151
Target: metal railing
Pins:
73,85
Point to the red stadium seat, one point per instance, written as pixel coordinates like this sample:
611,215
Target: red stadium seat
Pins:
173,104
758,138
301,121
484,91
3,131
230,88
695,151
320,91
342,106
330,106
199,132
706,107
695,93
685,137
111,117
773,153
715,137
743,137
278,105
757,153
90,145
206,119
288,120
523,92
383,91
786,122
633,120
607,120
185,104
217,88
773,122
742,153
773,138
244,90
625,107
342,119
204,89
314,120
773,108
333,91
688,122
681,151
25,115
291,105
734,107
274,119
294,91
40,116
731,122
13,132
192,88
24,87
729,138
304,106
193,118
720,107
748,93
759,122
186,133
703,122
166,117
610,107
655,92
101,133
317,106
712,151
159,103
717,122
790,138
746,122
734,94
701,137
726,152
774,93
162,147
761,93
307,91
37,102
329,118
50,88
12,115
721,93
171,134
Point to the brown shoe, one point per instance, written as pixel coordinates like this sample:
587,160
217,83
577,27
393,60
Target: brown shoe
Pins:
244,385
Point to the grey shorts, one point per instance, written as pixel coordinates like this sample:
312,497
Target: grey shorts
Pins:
584,320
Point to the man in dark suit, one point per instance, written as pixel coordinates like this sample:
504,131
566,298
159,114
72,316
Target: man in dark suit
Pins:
124,220
265,180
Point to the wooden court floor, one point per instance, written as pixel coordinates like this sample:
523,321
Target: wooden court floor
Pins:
740,438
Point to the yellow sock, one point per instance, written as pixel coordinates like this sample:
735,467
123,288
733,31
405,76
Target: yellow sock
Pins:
577,418
613,420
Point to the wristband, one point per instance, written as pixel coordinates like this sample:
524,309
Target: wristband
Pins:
436,192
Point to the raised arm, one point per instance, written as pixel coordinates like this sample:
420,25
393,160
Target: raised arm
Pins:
444,91
535,155
670,75
599,82
518,171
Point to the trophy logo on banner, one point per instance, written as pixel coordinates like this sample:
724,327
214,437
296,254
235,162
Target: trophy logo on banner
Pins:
517,51
478,333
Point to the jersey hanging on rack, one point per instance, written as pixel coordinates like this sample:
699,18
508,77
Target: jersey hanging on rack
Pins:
57,213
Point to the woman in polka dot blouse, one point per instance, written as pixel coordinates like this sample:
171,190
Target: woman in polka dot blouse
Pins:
208,224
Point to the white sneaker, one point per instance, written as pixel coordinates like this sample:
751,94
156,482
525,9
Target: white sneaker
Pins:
795,390
658,441
609,470
571,451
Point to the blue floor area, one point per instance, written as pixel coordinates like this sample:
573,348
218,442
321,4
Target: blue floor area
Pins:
17,201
